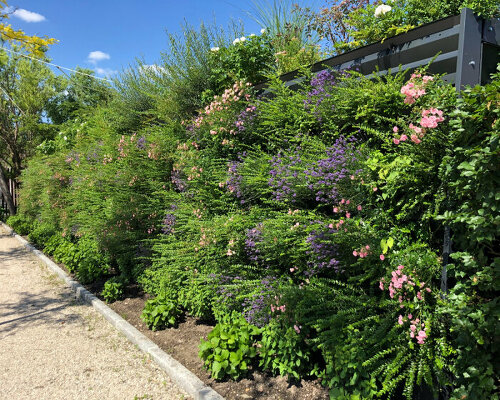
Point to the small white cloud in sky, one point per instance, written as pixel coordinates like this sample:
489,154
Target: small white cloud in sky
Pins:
152,68
98,55
25,15
105,71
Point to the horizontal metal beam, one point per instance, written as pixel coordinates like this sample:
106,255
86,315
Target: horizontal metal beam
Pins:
441,31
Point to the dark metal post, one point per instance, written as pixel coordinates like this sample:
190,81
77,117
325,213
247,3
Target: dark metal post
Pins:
469,50
446,258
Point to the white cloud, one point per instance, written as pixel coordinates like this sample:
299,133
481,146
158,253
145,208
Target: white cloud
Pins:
96,56
25,15
105,71
153,68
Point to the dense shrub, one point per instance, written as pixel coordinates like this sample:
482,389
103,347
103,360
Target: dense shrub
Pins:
354,23
41,234
20,223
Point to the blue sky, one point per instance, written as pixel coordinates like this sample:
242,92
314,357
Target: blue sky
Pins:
108,35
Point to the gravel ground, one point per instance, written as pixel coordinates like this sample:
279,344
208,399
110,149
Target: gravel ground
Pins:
52,346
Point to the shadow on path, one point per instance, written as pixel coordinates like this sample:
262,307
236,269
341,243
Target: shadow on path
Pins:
44,308
12,255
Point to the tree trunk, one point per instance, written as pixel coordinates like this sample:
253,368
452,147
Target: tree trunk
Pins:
4,187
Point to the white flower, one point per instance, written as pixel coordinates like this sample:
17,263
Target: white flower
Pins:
65,138
214,49
382,9
252,34
243,38
237,40
263,30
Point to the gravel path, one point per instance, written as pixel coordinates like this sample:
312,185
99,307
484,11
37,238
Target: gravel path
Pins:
52,346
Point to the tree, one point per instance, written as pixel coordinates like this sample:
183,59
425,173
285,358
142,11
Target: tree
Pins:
13,117
79,93
32,44
25,88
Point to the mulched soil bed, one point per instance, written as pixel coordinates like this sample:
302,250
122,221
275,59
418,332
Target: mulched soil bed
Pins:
182,344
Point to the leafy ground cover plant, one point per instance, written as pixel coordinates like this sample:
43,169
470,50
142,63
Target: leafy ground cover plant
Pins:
113,290
41,233
283,351
160,313
229,349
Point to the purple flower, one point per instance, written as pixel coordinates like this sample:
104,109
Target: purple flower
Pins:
325,175
235,179
253,236
320,83
168,224
256,307
141,143
245,118
284,175
322,250
178,182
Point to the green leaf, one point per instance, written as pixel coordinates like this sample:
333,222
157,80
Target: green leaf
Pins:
216,366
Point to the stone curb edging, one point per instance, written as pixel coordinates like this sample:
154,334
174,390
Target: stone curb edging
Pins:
184,378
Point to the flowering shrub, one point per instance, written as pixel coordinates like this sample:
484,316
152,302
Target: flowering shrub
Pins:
246,59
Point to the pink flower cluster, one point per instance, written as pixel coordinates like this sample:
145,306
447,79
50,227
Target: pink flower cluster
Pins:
414,88
122,145
406,288
277,307
194,173
431,118
402,138
402,283
107,159
185,146
197,213
417,328
220,103
153,152
363,252
205,240
344,206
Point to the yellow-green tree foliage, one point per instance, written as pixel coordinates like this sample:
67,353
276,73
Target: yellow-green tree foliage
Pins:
33,44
